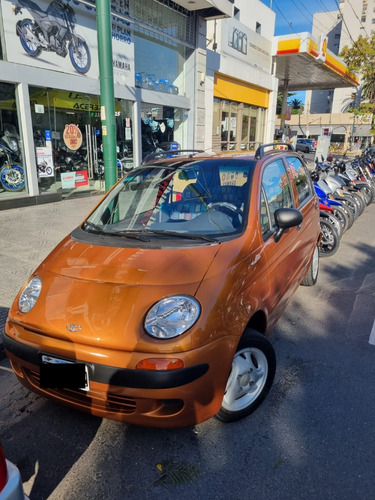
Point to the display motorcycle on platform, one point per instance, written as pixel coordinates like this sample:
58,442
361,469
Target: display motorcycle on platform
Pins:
12,175
52,30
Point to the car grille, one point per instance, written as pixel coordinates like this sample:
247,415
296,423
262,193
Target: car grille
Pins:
116,403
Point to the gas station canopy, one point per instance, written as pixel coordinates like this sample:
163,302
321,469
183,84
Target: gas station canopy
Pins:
304,63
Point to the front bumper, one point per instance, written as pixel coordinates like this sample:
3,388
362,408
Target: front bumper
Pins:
173,398
111,375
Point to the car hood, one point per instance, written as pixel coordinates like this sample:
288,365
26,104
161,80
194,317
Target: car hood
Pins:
105,292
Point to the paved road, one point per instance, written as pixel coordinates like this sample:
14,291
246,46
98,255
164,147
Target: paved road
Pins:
313,437
28,234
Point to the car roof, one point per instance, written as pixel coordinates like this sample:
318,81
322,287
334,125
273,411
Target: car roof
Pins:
188,155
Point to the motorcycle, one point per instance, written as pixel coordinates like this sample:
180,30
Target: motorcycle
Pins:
340,211
44,168
337,193
52,30
12,174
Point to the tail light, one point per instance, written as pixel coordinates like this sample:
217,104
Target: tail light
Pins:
3,470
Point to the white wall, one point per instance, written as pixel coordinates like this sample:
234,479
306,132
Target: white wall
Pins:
254,67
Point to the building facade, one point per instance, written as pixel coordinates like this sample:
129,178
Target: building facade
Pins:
184,75
239,77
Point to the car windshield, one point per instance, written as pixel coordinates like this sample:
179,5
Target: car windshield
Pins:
202,199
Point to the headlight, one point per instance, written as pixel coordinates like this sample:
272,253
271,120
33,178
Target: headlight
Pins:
30,294
13,144
172,316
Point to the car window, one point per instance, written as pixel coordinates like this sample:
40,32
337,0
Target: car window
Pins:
298,172
276,192
206,197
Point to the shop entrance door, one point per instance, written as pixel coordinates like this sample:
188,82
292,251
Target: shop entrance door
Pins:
94,167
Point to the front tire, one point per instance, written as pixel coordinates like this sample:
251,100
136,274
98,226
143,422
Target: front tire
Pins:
12,178
250,379
330,239
342,217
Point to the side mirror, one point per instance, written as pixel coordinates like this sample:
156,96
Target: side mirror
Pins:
286,218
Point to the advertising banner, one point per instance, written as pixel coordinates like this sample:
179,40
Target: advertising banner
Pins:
63,37
72,137
68,180
44,162
71,180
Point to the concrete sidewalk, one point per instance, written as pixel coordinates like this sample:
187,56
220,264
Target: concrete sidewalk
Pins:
27,235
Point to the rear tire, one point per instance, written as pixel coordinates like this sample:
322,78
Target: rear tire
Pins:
250,379
30,48
312,274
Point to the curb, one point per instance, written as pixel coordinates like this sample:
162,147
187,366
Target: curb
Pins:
3,316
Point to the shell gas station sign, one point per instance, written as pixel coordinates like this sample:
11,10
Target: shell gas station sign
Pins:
304,62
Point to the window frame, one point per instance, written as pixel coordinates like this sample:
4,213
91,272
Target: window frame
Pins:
263,192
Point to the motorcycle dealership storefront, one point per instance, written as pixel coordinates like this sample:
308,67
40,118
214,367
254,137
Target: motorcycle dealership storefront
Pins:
50,112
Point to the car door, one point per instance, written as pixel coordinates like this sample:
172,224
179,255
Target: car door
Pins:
307,203
283,257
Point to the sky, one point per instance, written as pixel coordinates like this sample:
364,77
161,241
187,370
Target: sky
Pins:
296,16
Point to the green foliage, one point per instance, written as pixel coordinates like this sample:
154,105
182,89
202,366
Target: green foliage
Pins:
174,473
295,104
360,57
280,101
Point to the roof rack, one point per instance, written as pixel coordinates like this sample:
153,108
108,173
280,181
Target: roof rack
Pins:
274,145
175,152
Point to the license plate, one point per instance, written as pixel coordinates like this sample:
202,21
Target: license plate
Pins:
56,373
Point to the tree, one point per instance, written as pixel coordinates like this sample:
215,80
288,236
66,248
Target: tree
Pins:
360,57
296,105
280,100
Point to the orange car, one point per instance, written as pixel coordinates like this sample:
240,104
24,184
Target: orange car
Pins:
156,309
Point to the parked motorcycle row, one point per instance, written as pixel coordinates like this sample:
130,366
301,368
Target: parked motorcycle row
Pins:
344,189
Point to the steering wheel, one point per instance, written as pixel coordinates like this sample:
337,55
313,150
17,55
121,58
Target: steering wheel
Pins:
229,209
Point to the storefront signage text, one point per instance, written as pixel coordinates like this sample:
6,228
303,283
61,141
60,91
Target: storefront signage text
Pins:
72,137
120,27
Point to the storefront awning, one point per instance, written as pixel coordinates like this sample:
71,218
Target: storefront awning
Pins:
304,63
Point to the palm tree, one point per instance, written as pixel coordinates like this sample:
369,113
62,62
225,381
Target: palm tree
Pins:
368,90
295,104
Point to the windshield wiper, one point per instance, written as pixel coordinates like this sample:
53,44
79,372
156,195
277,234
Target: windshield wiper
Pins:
136,235
96,228
189,236
128,234
141,235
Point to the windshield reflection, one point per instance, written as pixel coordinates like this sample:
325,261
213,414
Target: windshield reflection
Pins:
199,198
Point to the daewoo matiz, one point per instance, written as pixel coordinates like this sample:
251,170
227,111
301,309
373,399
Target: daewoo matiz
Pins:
155,311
